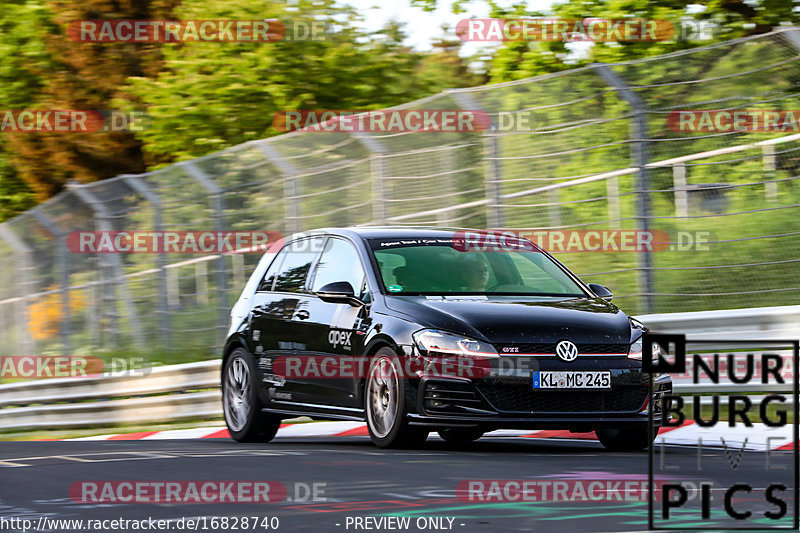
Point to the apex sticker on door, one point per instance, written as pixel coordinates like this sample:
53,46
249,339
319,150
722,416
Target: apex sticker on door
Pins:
340,338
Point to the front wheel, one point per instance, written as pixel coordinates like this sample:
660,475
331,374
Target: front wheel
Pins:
385,405
240,404
624,439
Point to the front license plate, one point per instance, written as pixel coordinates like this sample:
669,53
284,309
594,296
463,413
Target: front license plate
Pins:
572,380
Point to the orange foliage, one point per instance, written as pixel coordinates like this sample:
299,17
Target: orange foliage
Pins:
46,314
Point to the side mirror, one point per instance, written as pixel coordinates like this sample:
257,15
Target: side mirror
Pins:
339,292
601,291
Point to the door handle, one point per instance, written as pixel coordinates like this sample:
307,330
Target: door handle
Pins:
303,315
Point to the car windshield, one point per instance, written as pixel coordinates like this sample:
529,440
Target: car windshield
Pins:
434,266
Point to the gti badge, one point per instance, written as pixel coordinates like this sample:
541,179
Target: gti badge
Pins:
566,351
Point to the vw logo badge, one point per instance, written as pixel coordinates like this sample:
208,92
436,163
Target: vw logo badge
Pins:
566,351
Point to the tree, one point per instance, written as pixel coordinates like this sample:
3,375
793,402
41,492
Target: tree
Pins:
24,61
83,76
445,68
730,19
213,95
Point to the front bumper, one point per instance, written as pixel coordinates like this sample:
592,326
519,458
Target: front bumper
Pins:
510,401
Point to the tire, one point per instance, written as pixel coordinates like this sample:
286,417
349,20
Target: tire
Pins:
460,436
624,439
240,404
385,404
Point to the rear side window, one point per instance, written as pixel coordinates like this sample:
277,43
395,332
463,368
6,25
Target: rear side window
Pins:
293,271
272,271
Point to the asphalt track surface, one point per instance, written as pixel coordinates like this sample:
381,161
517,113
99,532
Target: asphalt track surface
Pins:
363,481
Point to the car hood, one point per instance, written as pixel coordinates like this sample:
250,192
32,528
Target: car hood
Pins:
508,320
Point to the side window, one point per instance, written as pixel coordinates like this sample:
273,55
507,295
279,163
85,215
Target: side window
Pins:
293,272
339,262
269,275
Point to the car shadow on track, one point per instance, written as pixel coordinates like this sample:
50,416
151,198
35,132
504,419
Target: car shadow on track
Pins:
497,445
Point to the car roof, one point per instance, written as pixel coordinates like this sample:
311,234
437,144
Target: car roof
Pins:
389,232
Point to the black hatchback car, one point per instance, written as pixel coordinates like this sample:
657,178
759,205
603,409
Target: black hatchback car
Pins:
419,330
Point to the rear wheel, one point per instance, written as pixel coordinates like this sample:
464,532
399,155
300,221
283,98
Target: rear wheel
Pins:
624,439
460,435
385,404
240,404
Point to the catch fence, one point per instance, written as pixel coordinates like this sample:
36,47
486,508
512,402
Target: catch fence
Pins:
593,148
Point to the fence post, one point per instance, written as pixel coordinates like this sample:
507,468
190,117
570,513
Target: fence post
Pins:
377,171
165,319
290,185
681,192
640,160
217,203
491,147
95,299
26,344
103,220
201,282
770,166
614,212
62,260
554,209
238,270
173,288
450,187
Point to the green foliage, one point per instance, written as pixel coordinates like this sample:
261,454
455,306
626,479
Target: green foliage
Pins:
213,95
518,60
44,70
24,61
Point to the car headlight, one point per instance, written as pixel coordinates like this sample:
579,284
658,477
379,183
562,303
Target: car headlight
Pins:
635,351
440,342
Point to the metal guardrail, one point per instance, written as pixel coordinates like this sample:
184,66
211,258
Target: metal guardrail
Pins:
160,380
114,412
191,390
166,394
762,323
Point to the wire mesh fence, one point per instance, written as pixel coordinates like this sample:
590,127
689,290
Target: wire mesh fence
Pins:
588,150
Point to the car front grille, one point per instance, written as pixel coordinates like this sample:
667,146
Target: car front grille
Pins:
550,348
522,398
603,348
